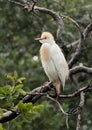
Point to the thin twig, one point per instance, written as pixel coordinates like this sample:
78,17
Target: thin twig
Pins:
9,124
73,44
16,2
87,30
60,107
78,51
77,93
67,121
33,96
81,104
73,21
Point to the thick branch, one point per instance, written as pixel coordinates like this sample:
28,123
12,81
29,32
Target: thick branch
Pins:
32,8
56,17
36,94
32,97
78,69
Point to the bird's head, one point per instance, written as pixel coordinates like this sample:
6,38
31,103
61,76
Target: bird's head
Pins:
46,37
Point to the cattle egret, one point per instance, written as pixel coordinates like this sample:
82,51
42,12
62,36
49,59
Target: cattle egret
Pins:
53,61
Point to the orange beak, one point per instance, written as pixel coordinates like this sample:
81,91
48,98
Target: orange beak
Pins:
39,38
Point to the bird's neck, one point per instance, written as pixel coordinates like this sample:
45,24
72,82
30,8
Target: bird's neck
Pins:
51,42
45,52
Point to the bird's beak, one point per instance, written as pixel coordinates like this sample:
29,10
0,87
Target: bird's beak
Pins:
38,38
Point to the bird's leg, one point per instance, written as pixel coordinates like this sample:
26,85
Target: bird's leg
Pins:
58,88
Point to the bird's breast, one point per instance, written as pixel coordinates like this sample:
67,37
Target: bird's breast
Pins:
45,53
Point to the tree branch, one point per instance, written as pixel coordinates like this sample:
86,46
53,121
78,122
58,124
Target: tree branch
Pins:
87,30
35,96
77,53
32,8
32,97
58,104
81,104
37,93
77,93
56,17
78,69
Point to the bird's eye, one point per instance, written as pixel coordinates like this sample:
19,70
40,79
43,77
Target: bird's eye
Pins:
45,37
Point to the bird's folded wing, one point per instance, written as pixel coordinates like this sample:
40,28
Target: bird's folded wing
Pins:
60,63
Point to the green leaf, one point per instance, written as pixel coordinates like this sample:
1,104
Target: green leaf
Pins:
17,87
38,107
20,80
15,74
24,107
1,127
11,78
21,91
1,97
6,90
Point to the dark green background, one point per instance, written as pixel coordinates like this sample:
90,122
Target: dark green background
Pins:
19,51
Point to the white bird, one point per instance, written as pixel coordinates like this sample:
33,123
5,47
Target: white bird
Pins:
53,61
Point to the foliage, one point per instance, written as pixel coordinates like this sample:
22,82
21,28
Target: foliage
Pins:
19,51
10,93
28,110
1,128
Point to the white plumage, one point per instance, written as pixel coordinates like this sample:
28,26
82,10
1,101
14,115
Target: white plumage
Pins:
53,61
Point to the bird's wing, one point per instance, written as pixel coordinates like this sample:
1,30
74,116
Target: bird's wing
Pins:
60,63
